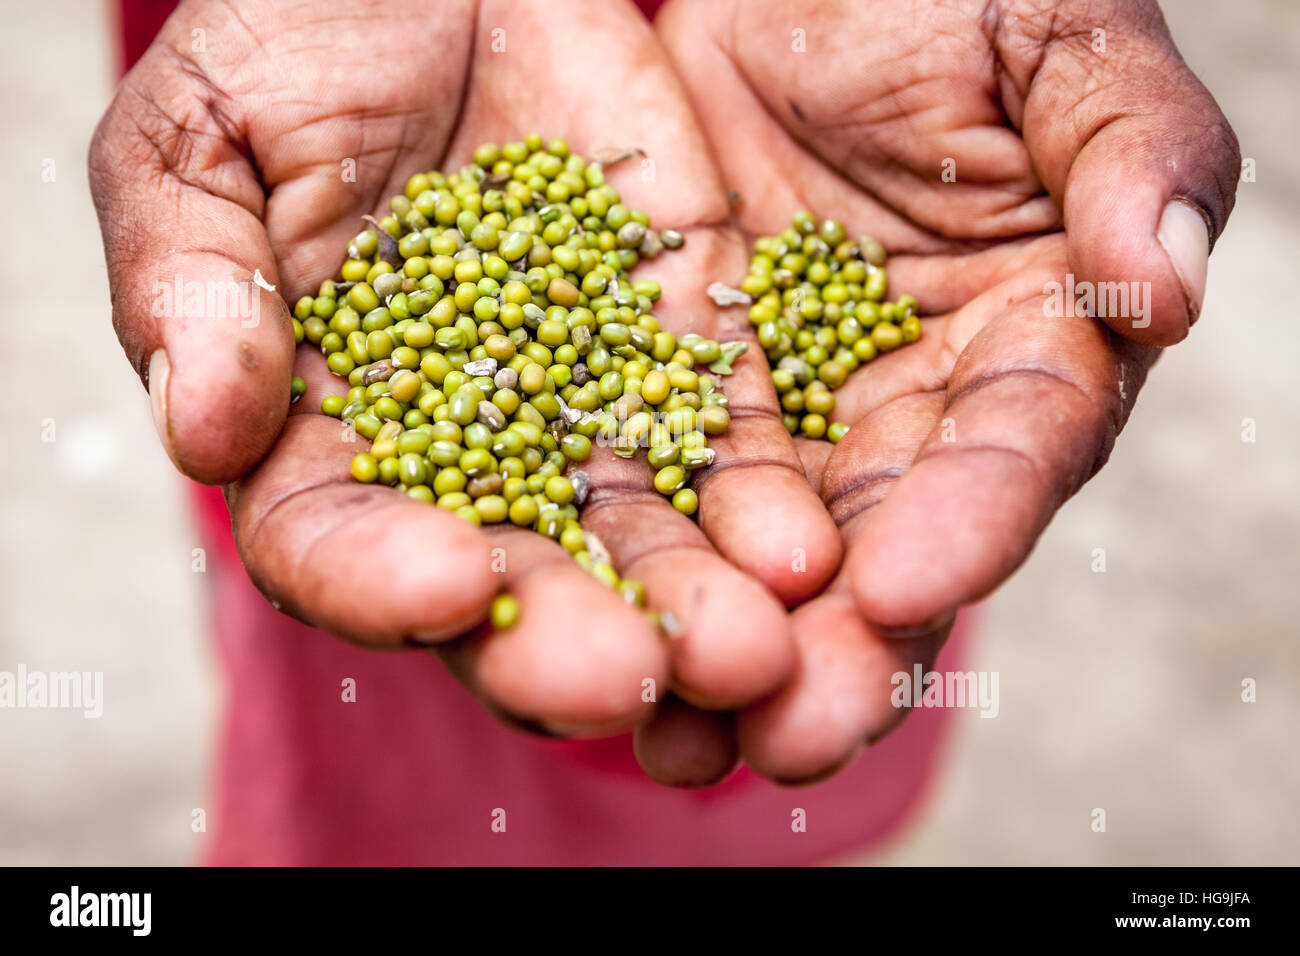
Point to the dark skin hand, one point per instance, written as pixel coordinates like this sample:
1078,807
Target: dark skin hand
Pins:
962,447
217,162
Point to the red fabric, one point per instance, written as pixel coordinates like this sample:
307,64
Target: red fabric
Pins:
414,770
138,23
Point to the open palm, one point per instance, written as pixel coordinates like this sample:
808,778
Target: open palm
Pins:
963,445
260,151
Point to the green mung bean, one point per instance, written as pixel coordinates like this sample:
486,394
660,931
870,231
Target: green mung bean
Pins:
491,338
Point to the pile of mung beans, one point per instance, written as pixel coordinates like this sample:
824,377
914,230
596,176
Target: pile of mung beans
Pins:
819,309
490,335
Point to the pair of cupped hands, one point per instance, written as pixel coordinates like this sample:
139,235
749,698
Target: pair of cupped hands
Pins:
993,146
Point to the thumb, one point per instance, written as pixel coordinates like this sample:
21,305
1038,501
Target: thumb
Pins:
191,271
1137,152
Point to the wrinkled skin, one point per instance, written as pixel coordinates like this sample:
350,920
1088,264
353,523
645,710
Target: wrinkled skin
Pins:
212,164
963,445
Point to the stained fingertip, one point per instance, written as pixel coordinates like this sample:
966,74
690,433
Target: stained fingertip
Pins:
591,674
768,521
219,385
840,694
452,655
824,773
683,746
435,585
1138,259
363,561
940,622
729,637
948,533
218,418
732,642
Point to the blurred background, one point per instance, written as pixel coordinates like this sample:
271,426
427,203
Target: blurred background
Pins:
1119,690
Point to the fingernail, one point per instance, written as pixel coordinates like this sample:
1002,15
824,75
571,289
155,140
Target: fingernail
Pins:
160,371
563,731
913,631
1186,241
426,639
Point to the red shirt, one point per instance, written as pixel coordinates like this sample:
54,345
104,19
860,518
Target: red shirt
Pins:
416,772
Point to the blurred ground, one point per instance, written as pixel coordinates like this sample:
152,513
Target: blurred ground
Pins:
1119,690
95,565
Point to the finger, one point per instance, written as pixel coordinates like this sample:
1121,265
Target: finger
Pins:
565,695
1033,408
362,561
841,696
179,207
580,661
198,150
638,102
729,637
875,101
866,475
683,746
1132,143
676,185
756,504
376,568
757,481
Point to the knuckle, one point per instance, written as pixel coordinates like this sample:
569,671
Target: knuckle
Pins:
168,120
